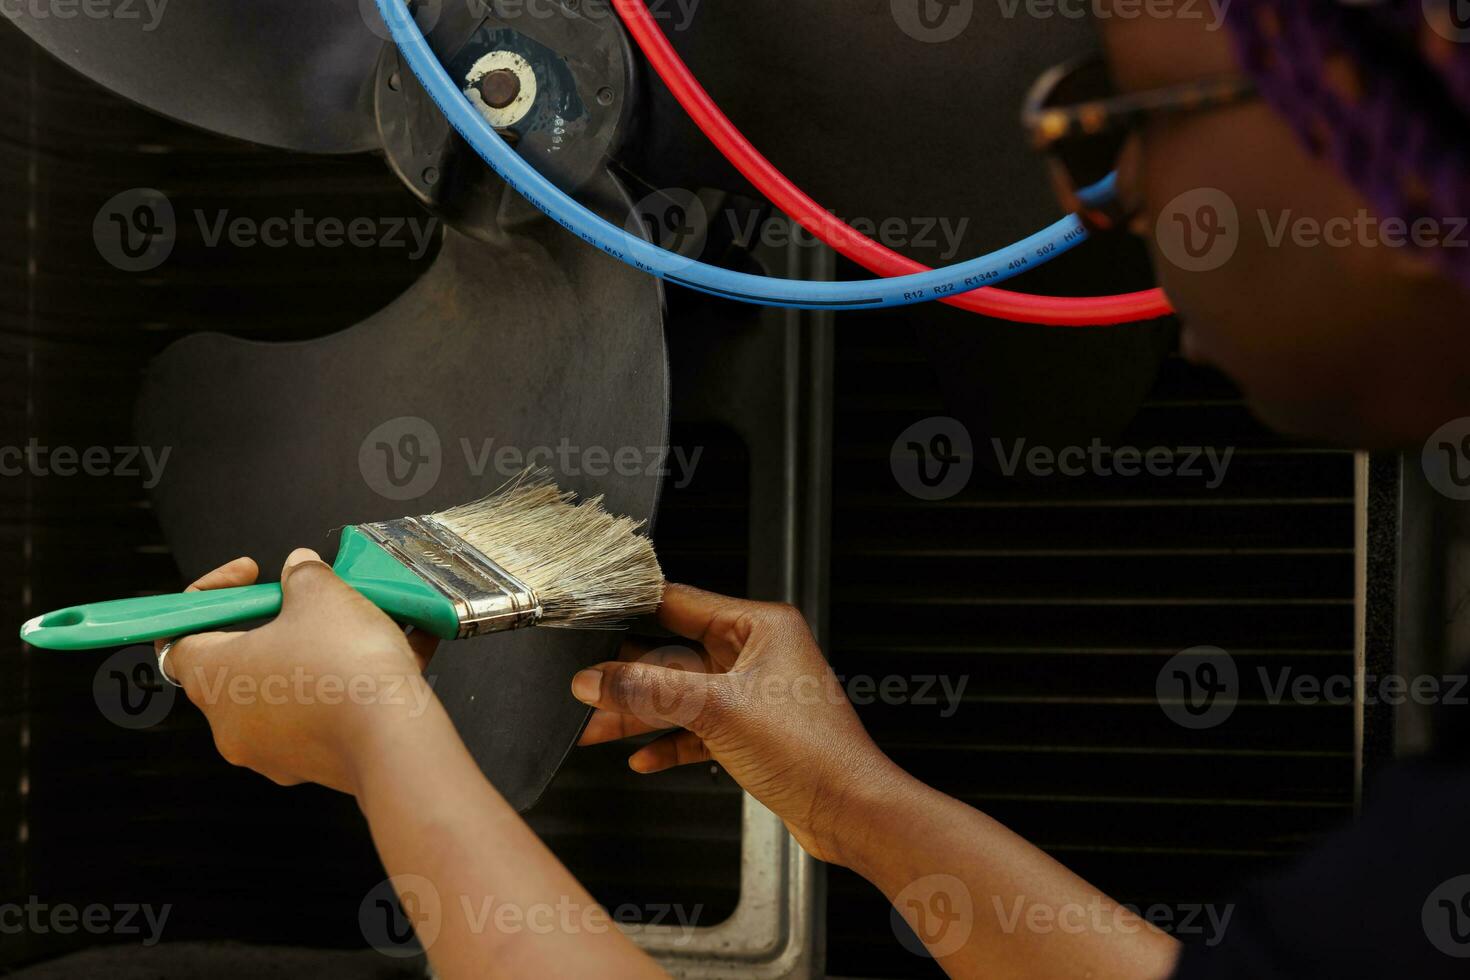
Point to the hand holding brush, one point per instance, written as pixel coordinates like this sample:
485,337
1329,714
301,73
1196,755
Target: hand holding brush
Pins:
527,555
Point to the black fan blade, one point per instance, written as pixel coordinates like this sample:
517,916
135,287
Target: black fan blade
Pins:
527,345
283,73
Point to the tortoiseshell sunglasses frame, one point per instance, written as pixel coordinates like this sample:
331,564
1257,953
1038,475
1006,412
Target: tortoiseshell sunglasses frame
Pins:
1055,128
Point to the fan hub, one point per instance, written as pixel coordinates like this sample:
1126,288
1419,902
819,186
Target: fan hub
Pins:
558,89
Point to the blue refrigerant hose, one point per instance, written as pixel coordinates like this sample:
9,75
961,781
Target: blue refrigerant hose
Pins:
989,270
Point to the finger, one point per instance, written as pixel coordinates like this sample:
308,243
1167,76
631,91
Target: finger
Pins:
189,661
316,599
610,726
308,584
231,575
241,571
613,726
298,557
658,696
423,646
716,621
670,752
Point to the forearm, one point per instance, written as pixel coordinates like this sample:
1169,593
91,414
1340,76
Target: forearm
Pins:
507,907
984,901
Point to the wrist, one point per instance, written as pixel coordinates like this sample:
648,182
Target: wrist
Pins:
852,825
385,737
902,823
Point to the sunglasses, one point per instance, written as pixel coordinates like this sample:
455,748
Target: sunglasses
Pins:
1077,118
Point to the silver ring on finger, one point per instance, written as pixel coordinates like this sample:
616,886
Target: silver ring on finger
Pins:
163,663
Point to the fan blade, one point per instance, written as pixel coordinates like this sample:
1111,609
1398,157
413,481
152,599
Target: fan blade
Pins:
278,72
533,342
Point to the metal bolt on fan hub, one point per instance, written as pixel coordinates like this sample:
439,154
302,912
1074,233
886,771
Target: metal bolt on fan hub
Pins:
500,88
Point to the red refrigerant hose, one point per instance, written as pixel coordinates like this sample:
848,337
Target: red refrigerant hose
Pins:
873,256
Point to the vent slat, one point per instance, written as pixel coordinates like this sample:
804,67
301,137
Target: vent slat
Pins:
1023,624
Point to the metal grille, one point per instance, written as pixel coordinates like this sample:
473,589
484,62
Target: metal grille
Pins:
1060,600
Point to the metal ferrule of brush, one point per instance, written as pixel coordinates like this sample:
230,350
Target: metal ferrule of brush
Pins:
487,597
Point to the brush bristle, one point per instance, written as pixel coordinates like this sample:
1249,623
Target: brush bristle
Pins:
588,568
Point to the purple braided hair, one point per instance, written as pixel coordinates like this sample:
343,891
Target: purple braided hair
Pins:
1382,91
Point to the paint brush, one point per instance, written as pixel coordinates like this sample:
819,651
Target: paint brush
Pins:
527,555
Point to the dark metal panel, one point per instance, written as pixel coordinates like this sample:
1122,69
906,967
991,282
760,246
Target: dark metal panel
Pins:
1058,600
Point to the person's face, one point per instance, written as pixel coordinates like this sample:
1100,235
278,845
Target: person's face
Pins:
1353,341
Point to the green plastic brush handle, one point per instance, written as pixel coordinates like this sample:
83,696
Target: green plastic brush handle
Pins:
156,617
360,562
